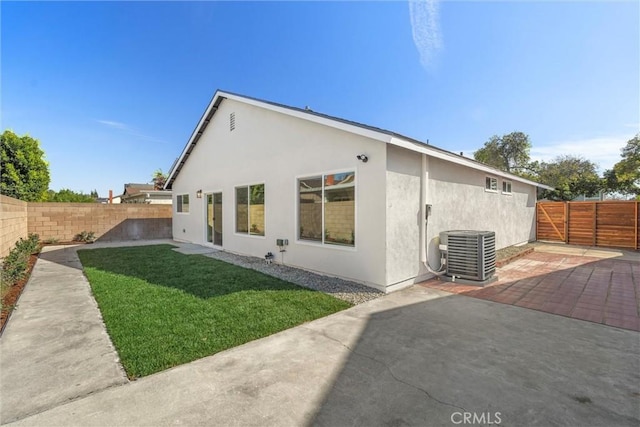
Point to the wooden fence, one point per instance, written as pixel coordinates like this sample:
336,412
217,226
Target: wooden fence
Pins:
606,223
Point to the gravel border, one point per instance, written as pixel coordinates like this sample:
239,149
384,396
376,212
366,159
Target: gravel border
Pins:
354,293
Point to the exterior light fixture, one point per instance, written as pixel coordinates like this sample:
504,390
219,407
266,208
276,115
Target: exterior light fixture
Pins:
362,157
199,194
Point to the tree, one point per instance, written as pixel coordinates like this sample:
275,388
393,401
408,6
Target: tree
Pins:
159,179
571,176
69,196
625,176
509,153
24,171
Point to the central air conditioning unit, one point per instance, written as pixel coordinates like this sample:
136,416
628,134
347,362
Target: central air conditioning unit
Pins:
469,254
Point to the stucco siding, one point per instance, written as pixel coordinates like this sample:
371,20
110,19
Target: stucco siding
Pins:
460,201
275,149
403,214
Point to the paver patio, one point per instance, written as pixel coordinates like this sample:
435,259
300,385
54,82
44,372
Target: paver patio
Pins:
582,287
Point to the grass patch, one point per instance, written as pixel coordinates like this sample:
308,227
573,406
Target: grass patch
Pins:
163,308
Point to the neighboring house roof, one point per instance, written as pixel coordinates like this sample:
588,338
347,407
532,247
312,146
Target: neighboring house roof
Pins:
143,191
335,122
133,189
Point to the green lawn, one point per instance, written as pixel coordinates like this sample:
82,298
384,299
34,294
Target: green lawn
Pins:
162,308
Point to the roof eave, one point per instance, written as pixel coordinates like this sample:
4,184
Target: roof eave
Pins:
348,126
460,160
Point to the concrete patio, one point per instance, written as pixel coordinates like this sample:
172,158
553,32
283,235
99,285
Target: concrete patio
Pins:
419,356
594,284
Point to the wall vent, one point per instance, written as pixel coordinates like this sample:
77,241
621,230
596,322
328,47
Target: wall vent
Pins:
232,121
470,254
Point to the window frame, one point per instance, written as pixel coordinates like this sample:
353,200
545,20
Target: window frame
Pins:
235,208
322,243
490,179
180,204
504,182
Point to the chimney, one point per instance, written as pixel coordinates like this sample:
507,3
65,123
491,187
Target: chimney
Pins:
110,196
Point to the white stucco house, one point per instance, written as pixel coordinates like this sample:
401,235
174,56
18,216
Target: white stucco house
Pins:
349,200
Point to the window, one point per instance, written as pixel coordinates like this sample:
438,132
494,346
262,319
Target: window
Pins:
182,203
250,210
491,184
506,187
232,121
326,209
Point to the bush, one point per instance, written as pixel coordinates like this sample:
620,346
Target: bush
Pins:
85,236
14,266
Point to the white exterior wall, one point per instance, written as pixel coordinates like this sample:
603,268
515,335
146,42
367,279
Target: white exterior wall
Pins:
459,202
276,149
403,215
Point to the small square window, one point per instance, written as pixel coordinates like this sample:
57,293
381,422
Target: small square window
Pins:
491,184
182,203
506,187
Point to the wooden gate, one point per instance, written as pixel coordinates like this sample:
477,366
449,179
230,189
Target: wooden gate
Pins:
606,223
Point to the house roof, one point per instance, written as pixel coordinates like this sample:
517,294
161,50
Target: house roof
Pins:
133,189
372,132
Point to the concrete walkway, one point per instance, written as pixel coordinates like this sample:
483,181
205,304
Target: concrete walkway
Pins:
416,357
54,348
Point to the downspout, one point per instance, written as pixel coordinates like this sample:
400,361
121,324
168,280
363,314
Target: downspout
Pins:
424,251
423,213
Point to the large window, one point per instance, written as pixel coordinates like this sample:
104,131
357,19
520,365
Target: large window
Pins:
326,208
250,209
182,203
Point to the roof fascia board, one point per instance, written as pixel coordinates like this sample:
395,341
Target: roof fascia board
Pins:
379,136
425,149
336,124
195,132
368,133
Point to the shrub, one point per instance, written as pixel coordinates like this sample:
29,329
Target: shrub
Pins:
14,266
85,236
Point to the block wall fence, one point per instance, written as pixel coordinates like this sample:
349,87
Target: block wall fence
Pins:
13,222
63,221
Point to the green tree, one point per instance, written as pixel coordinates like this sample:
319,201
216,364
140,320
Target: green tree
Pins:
571,176
159,179
69,196
509,153
624,178
24,171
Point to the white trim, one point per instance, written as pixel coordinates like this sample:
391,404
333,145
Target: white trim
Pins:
351,128
460,160
322,243
379,136
182,204
510,192
490,190
204,219
235,211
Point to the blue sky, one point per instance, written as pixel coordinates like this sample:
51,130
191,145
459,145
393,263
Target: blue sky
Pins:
113,90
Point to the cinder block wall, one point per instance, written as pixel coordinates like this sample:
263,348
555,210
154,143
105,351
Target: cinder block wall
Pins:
116,222
13,223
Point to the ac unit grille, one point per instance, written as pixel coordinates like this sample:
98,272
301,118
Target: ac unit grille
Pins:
470,254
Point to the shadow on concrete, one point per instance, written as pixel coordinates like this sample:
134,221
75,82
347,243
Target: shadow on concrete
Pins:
139,229
432,362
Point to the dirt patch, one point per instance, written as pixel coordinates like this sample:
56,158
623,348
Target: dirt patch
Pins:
509,254
12,294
